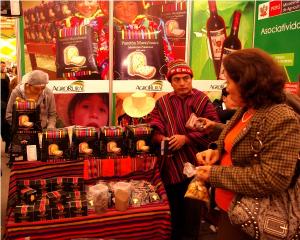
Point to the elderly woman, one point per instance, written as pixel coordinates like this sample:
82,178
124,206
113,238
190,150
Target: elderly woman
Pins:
35,88
237,164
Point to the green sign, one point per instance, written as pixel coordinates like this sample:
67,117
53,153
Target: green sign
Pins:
277,31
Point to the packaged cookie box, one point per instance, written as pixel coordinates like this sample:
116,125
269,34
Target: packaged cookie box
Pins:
55,144
78,208
85,143
26,115
68,184
139,139
24,213
21,138
60,211
42,210
112,141
42,186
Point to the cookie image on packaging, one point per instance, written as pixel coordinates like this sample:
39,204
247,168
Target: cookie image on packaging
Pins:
24,121
53,150
112,147
141,146
71,56
137,65
84,148
173,30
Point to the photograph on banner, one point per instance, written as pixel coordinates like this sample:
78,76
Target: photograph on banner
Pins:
277,30
82,109
68,39
218,28
148,34
134,108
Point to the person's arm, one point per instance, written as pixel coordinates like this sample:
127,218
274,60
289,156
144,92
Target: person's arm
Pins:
277,160
51,121
157,124
202,137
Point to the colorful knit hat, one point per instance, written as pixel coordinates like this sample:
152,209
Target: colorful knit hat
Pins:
176,67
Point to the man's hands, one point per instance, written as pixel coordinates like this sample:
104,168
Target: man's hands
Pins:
176,142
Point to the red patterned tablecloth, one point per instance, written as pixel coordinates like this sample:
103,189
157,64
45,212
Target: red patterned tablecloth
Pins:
151,221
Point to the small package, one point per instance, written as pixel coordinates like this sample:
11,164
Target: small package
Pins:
24,213
112,142
139,139
55,144
78,208
28,195
85,142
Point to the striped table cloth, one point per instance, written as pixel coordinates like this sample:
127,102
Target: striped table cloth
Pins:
151,221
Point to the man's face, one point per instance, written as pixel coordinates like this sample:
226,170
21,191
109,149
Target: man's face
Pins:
182,84
126,11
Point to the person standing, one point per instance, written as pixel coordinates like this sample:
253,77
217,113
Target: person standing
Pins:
35,88
168,120
5,128
258,149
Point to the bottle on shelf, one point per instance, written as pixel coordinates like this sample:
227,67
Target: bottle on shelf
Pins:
216,33
232,42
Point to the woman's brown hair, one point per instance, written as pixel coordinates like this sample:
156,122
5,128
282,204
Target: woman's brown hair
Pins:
259,77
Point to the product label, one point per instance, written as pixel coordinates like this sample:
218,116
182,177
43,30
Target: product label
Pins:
226,51
217,38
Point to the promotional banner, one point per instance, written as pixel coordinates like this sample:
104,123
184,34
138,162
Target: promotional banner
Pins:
218,28
277,31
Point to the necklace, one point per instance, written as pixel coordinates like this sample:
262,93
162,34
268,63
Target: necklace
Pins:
247,115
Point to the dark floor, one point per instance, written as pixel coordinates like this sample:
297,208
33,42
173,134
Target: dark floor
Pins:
206,232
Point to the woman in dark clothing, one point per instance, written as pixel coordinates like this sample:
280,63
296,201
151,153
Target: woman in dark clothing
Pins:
5,128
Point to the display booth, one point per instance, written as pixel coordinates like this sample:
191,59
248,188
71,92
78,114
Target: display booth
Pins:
106,71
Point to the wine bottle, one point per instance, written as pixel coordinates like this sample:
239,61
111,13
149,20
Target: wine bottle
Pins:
216,33
232,42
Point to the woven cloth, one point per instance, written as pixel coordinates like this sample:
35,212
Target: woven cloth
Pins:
96,168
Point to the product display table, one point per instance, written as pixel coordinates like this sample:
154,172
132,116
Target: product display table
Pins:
151,221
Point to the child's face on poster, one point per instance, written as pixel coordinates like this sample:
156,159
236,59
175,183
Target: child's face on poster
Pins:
91,112
126,11
87,7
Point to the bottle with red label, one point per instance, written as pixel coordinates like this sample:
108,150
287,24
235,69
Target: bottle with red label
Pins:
216,33
232,42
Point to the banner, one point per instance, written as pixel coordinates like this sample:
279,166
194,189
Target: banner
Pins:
212,24
277,31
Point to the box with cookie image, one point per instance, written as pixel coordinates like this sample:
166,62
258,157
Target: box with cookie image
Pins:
25,115
112,142
140,54
25,127
75,54
85,143
55,145
174,15
138,138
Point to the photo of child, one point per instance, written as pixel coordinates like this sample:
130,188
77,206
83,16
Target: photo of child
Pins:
83,109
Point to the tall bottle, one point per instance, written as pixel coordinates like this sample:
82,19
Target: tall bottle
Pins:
232,42
216,33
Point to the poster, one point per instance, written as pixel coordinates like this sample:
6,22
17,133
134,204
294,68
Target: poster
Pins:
201,58
277,31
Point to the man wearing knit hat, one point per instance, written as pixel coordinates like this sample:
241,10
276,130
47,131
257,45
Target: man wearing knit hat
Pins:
34,88
169,118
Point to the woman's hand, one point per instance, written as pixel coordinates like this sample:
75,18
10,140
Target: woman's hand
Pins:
203,173
207,157
205,124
